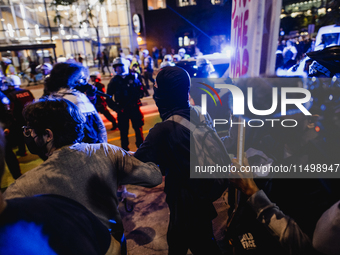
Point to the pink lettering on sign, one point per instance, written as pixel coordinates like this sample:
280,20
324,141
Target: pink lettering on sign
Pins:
240,34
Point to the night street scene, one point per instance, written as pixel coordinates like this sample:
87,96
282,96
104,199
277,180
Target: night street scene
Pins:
151,127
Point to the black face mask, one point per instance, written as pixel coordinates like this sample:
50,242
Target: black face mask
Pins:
35,149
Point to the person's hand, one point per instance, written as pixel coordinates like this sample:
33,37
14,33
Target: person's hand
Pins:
242,180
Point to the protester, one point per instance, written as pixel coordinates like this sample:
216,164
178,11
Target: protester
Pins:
289,55
155,56
80,59
257,219
50,224
326,234
105,63
99,59
62,82
271,231
86,173
127,91
168,145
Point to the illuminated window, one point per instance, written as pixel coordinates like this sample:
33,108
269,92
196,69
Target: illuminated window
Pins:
182,3
180,41
216,2
156,4
186,41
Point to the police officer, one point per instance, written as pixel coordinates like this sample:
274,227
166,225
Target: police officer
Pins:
148,68
167,61
101,104
204,68
6,119
127,91
19,98
182,54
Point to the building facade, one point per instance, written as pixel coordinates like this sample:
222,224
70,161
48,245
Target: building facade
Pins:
84,27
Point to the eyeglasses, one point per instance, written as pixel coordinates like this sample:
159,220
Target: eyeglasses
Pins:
26,130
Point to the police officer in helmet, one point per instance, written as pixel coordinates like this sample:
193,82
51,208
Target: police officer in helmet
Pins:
127,91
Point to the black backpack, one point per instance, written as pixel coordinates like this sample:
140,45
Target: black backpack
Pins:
209,150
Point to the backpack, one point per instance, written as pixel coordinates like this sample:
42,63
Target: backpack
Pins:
209,151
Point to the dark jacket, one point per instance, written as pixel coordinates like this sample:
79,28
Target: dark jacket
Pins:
127,91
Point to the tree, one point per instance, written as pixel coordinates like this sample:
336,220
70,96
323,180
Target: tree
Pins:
88,16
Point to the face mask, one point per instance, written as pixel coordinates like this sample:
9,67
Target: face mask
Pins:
35,149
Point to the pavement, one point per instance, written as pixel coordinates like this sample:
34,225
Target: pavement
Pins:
146,225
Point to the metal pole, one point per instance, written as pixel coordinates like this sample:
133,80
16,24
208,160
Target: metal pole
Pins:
15,19
132,43
85,55
4,27
48,21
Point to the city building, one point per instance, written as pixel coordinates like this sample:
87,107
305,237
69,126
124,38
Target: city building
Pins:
44,30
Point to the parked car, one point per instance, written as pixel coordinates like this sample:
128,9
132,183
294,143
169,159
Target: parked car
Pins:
327,36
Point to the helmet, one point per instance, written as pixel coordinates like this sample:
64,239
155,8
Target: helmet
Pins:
204,65
146,52
201,62
8,81
96,74
167,57
45,68
118,62
11,69
177,57
129,57
181,50
167,63
7,60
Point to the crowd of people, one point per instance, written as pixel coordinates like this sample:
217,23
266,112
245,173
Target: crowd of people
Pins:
291,52
69,203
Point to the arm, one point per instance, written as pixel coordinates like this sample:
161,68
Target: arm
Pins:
111,87
14,191
133,171
279,225
151,149
102,135
111,90
294,51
